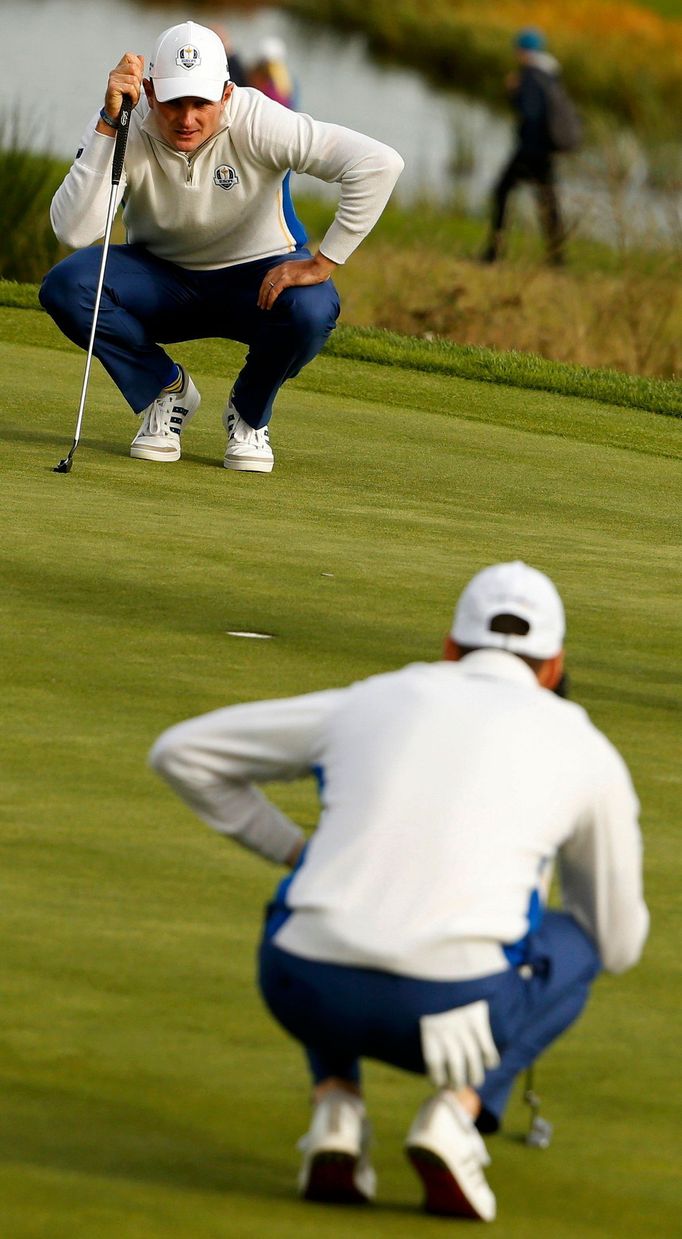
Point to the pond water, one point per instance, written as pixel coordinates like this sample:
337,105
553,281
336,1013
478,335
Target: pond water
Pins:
62,50
58,71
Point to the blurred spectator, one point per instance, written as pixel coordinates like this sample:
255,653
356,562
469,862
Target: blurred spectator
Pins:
238,73
531,90
270,73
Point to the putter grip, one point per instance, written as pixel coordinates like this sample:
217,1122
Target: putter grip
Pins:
121,139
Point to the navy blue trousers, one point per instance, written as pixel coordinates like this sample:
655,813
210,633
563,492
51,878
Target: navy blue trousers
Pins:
343,1014
146,300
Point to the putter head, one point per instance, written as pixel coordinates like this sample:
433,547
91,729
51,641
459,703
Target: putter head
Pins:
64,465
540,1134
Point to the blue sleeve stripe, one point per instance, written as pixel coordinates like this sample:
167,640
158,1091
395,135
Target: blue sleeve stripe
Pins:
318,772
277,911
291,219
517,952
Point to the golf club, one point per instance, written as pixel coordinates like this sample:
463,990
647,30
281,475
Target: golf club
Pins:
539,1134
64,465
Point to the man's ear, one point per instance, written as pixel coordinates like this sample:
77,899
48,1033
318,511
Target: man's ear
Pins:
149,91
451,650
551,671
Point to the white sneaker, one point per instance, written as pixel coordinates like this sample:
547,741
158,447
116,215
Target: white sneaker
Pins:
247,449
163,421
448,1154
336,1167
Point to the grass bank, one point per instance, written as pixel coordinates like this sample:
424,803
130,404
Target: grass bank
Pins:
429,356
146,1093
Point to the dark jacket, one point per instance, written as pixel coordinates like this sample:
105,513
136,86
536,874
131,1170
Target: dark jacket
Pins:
529,100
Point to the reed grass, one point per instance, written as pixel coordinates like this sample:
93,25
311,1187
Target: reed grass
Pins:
616,308
28,246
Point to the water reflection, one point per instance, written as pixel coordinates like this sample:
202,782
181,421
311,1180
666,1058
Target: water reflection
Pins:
79,41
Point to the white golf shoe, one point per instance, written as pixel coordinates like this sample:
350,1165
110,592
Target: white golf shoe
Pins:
247,449
163,422
448,1154
336,1167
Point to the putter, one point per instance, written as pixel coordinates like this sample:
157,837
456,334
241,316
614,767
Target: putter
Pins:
539,1134
64,465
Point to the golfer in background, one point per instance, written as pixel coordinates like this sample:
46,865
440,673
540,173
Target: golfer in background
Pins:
414,928
214,247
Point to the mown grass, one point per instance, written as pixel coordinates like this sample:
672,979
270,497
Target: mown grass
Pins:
146,1093
387,348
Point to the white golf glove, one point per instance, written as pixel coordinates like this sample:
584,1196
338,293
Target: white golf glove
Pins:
458,1046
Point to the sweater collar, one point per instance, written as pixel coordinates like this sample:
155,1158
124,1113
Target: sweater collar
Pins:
497,665
150,127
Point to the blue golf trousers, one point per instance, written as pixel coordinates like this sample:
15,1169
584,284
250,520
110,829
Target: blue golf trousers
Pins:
343,1014
146,300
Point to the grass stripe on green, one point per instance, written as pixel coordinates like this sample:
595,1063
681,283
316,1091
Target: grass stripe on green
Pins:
146,1093
386,348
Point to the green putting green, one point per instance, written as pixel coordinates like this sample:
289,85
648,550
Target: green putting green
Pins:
147,1094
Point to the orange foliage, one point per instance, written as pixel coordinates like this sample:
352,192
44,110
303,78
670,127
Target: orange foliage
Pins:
592,18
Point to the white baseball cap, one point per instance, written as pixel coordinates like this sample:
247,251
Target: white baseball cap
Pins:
189,60
513,589
273,48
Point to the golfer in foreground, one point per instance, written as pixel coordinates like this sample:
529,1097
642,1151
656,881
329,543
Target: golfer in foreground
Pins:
414,928
214,247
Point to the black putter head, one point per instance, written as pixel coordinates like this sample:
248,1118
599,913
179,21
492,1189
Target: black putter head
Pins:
64,466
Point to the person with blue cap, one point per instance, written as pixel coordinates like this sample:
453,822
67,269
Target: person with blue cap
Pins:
531,92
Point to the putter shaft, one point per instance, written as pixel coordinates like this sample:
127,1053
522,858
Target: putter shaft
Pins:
64,465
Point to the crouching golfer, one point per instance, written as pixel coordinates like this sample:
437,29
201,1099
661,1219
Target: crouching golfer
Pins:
214,247
413,928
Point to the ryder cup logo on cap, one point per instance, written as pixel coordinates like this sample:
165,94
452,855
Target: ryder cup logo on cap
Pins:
189,60
188,57
511,607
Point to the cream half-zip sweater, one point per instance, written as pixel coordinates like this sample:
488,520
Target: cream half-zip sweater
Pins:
224,204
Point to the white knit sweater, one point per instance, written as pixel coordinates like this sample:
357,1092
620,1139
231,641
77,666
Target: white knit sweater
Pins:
226,203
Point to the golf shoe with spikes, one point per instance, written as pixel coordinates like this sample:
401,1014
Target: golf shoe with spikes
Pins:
163,422
336,1167
247,449
449,1155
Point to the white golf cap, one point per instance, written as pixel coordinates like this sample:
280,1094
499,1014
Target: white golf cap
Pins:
515,590
273,48
189,60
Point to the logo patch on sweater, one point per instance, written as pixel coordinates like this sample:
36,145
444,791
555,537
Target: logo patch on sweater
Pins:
225,177
188,56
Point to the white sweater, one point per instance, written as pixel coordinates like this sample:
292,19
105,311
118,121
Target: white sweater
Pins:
448,789
224,203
